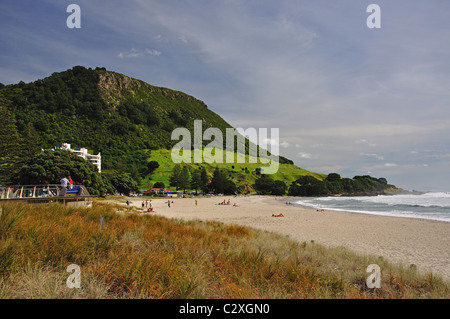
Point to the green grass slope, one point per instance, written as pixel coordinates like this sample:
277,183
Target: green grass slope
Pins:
243,174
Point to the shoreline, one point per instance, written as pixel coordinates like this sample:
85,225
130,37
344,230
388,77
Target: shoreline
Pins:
371,213
422,242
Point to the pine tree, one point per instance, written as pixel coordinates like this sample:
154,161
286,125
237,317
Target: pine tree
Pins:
175,177
10,145
185,178
31,141
196,180
218,181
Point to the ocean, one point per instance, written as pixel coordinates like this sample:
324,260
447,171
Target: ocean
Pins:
435,206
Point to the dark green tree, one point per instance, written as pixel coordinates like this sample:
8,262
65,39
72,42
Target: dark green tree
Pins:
196,180
31,141
185,178
124,184
220,184
307,186
265,185
229,187
175,178
333,177
151,166
279,188
218,181
48,167
204,180
11,146
159,185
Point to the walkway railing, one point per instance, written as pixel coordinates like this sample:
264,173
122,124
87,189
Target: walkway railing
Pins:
41,191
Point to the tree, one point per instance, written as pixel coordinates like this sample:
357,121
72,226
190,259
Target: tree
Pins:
185,177
196,180
124,184
307,186
263,185
134,173
229,187
334,183
220,184
31,141
175,178
333,177
279,188
48,167
151,166
267,186
218,181
10,145
159,185
204,180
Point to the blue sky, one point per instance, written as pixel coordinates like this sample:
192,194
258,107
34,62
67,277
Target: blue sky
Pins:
346,98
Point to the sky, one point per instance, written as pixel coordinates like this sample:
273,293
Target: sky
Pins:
346,98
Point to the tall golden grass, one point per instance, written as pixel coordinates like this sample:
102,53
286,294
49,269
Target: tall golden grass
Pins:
148,256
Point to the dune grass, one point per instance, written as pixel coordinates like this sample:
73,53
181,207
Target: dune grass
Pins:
144,256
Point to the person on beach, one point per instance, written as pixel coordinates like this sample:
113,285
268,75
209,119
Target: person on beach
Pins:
195,202
128,203
143,204
168,203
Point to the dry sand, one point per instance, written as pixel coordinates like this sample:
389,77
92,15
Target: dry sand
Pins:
425,243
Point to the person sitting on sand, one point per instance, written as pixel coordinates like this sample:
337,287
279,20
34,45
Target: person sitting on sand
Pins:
234,205
150,210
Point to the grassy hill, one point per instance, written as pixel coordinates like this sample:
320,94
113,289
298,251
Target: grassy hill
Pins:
240,173
127,120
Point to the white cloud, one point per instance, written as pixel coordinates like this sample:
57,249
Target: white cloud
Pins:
152,52
285,144
305,155
136,53
366,142
372,155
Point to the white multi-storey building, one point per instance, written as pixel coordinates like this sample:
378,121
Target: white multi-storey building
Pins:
83,152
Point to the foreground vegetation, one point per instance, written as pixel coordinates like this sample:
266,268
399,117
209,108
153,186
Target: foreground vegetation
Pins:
144,256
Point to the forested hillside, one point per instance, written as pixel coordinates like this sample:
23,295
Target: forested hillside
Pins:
130,123
107,112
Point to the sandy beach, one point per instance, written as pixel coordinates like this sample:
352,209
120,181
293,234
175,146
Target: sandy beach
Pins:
425,243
